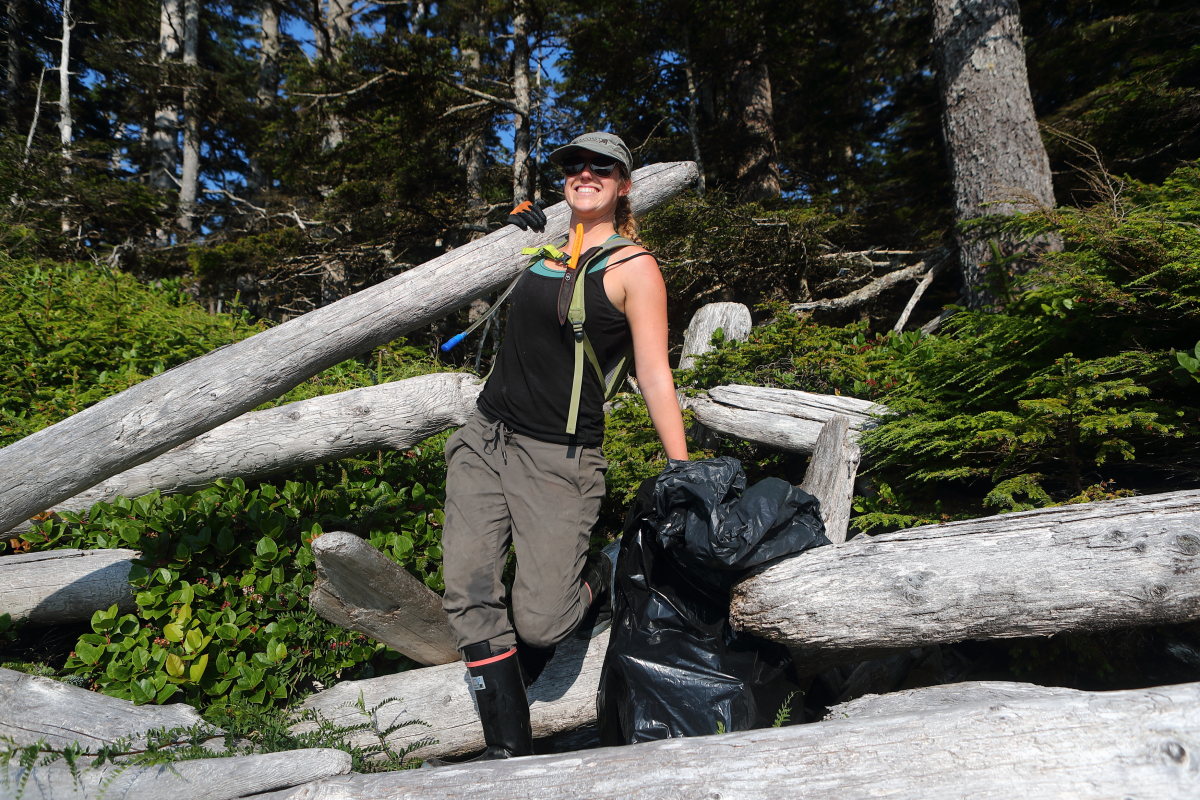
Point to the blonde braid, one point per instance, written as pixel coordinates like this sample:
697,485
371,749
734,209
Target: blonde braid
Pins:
624,221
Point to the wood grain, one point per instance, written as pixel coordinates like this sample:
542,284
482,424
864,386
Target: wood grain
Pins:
562,699
944,697
1076,568
1139,744
830,475
206,779
391,416
360,588
732,318
167,410
61,586
33,708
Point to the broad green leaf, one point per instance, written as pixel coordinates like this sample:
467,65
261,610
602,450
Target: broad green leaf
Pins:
174,666
196,671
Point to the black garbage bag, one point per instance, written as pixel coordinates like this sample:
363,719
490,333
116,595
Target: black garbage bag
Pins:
674,666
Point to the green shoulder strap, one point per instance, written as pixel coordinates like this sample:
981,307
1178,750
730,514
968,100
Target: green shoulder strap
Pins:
576,315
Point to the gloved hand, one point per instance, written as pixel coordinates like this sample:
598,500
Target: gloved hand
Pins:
526,216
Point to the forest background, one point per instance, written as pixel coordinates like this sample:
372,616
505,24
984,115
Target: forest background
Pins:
181,174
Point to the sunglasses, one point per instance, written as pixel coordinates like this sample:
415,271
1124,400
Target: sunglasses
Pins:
601,166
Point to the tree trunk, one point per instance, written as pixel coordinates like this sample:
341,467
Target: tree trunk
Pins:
994,149
201,779
63,586
1086,746
757,172
269,50
65,121
693,110
189,187
562,699
12,76
341,26
520,72
1091,567
361,589
166,116
150,418
474,147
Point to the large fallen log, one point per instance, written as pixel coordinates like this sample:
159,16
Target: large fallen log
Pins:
59,586
205,779
562,699
1087,567
391,416
34,708
1132,744
785,419
151,417
360,588
938,698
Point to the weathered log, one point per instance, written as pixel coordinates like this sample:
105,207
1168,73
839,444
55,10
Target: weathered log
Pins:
562,699
1096,745
392,416
732,318
830,476
938,268
937,698
1077,568
866,293
785,419
151,417
360,588
34,708
204,779
59,586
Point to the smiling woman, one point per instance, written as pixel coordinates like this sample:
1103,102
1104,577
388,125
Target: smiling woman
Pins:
527,469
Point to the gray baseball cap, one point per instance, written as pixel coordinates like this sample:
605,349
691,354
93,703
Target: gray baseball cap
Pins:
606,144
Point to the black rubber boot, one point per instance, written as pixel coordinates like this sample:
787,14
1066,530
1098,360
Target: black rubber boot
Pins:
599,573
503,705
533,660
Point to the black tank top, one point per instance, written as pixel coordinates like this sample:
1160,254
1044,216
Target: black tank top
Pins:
530,388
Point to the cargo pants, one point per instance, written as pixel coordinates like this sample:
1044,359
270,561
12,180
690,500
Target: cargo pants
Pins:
544,498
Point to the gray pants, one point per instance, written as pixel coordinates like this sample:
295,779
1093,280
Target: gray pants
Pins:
503,487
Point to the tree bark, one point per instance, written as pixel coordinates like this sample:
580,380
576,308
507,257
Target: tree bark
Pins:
947,697
757,172
150,418
562,699
63,586
12,76
201,779
732,318
164,141
189,181
693,109
269,50
341,26
474,147
520,72
830,476
34,708
1091,746
65,121
1091,567
361,589
995,152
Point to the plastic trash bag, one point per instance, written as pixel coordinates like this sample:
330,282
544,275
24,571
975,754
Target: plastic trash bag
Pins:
674,666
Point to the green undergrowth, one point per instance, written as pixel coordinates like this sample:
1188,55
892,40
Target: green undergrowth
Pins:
224,573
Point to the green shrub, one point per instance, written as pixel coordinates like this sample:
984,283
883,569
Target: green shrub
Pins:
223,577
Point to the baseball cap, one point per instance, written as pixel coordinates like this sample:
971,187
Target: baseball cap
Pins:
606,144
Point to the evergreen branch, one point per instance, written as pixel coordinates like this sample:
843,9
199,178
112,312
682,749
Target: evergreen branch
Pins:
355,90
500,101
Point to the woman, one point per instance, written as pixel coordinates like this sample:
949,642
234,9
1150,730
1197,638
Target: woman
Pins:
515,474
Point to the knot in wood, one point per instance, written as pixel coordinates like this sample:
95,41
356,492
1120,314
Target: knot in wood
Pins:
293,416
1157,592
360,411
1174,751
1188,544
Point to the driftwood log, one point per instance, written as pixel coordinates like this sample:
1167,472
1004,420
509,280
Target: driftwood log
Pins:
1100,565
830,476
1132,744
148,419
34,708
360,588
205,779
392,416
562,699
732,318
938,698
785,419
869,292
60,586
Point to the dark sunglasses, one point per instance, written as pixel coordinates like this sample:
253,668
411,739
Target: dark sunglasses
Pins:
601,166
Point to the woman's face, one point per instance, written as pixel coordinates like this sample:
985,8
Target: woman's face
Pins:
590,196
